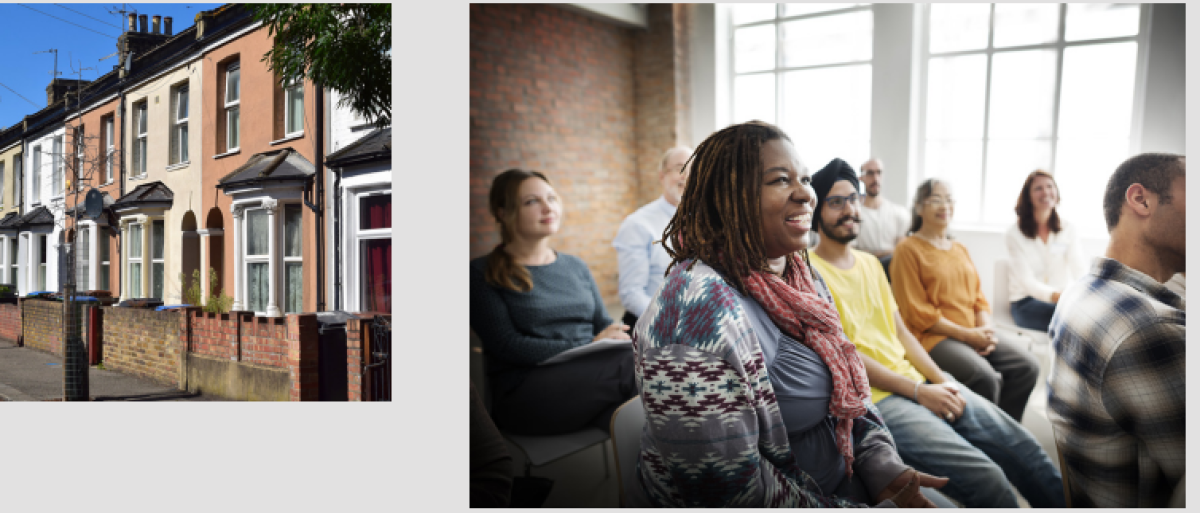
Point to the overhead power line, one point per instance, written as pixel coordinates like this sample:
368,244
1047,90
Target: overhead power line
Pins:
19,94
65,21
82,14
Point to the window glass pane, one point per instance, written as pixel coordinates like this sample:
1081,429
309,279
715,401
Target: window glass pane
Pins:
1009,162
296,109
754,48
1097,91
156,240
84,259
141,144
1094,21
257,236
12,276
955,97
103,278
376,275
750,13
182,103
183,142
141,111
41,277
257,282
796,9
1025,24
955,27
293,296
375,212
102,237
827,113
1022,94
135,241
41,249
135,280
233,85
56,171
827,39
156,281
37,173
232,120
1082,169
959,163
754,98
291,230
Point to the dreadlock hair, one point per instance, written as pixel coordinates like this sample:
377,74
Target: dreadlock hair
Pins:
501,270
1025,220
718,219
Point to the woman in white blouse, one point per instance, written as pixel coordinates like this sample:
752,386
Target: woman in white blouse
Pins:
1044,253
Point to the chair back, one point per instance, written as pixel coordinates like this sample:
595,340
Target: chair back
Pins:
627,424
1001,306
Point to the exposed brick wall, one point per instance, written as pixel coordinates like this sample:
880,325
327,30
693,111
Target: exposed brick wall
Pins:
302,346
561,92
214,334
264,341
10,323
143,342
41,325
355,331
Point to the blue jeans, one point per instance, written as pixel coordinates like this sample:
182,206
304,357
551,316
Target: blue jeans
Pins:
1032,314
981,453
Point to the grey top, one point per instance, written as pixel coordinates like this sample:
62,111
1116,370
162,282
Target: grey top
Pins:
519,329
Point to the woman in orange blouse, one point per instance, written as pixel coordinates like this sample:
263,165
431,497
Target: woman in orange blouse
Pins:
938,292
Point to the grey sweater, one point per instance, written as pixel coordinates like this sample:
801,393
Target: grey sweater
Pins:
519,329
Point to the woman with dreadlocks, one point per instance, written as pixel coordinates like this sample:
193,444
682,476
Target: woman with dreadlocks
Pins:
753,395
529,303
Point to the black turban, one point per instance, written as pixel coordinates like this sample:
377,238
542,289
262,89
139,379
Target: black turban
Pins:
823,180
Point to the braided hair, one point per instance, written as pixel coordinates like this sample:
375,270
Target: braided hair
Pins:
718,218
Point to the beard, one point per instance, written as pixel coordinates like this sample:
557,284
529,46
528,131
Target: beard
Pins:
873,193
828,230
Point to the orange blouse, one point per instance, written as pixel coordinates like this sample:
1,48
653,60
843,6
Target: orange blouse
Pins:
931,283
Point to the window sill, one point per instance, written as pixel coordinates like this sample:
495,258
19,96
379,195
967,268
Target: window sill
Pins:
226,154
180,165
139,177
291,137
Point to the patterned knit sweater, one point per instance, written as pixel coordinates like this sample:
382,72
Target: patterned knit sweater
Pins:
714,435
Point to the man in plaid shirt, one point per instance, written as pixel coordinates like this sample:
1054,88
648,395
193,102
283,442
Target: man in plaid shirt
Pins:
1117,383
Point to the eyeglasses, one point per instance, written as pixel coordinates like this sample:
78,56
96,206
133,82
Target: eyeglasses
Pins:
838,202
937,202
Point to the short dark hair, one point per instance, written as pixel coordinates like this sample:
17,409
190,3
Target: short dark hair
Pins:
1155,171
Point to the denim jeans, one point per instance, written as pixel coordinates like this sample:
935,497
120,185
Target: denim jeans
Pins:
981,453
1032,314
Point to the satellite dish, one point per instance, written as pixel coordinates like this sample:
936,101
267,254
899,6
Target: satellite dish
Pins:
93,203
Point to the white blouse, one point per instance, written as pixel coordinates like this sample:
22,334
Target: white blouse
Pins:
1039,269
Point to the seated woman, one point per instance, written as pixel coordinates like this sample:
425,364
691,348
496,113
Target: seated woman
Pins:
753,395
529,303
1044,253
937,291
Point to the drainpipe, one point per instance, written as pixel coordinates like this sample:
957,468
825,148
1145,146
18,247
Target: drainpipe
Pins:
320,153
337,240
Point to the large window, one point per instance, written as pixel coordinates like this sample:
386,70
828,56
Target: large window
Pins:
293,261
157,265
36,194
41,270
80,158
135,261
293,95
14,245
233,96
102,248
109,149
257,258
83,257
807,69
374,244
179,125
140,144
56,159
1015,87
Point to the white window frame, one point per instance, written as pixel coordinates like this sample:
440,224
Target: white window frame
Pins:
36,182
161,260
104,267
43,260
290,90
182,156
140,259
1059,45
248,259
110,150
80,156
276,262
356,300
85,251
6,251
231,106
299,259
14,261
56,166
2,173
141,129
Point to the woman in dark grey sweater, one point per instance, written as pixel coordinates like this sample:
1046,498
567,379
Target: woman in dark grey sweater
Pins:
529,303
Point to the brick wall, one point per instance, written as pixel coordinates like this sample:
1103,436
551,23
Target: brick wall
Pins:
288,342
557,91
264,340
657,86
355,334
41,325
302,353
214,334
143,342
10,323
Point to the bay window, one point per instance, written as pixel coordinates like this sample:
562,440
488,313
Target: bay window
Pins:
373,243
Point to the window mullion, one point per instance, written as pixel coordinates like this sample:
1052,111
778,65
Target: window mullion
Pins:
1058,75
987,111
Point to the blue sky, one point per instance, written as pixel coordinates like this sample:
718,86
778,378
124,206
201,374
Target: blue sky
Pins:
82,33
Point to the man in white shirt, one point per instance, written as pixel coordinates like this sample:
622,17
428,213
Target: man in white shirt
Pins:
884,223
641,260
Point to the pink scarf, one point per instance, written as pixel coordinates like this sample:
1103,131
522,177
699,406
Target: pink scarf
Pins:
798,310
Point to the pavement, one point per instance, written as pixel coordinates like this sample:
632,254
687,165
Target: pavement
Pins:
31,375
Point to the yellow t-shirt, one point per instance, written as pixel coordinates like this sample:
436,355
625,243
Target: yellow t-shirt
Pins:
865,303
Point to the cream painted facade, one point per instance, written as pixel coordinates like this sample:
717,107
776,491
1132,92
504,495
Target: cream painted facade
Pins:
10,162
181,248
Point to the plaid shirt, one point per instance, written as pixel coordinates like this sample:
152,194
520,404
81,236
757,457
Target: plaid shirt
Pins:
1117,387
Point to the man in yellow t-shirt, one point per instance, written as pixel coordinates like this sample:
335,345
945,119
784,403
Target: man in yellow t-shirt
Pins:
939,427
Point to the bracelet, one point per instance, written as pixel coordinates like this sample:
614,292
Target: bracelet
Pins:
916,392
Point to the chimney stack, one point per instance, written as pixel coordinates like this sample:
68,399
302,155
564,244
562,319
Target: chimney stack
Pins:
167,25
142,22
154,23
133,23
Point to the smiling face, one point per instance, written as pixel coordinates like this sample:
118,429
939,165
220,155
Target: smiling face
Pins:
1043,194
938,209
539,212
840,225
786,201
673,176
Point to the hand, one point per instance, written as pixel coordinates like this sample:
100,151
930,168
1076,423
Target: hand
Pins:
986,350
615,330
942,400
905,490
982,336
1054,297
